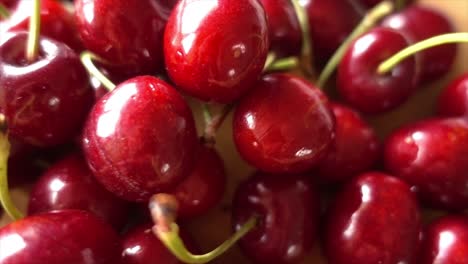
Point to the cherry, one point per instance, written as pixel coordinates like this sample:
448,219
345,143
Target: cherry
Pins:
204,187
68,236
375,219
216,50
45,101
68,184
57,22
432,156
284,125
9,3
330,22
356,147
362,86
126,33
419,23
446,241
453,101
286,208
140,138
283,25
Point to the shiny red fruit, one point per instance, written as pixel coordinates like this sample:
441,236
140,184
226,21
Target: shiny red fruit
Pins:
356,147
284,125
362,86
375,219
446,241
68,184
45,101
432,156
215,50
140,139
287,209
69,236
453,101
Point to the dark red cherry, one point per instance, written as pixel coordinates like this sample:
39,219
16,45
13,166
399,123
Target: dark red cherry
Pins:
68,236
453,101
283,25
46,101
284,125
362,86
68,184
56,22
330,23
432,155
9,3
215,50
204,187
419,23
446,241
126,33
375,219
140,138
286,208
356,147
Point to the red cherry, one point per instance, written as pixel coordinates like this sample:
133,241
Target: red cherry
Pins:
68,184
375,219
432,155
56,22
446,241
46,101
362,86
356,147
419,23
140,139
216,50
453,101
126,33
284,125
204,187
287,209
68,236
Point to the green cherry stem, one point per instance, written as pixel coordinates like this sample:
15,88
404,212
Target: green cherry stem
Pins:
213,123
371,18
32,48
391,62
5,198
4,13
163,208
306,49
87,60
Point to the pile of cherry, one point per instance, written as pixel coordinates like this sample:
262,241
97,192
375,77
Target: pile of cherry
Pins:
102,135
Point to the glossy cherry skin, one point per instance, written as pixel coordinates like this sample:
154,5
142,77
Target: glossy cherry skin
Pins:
453,101
432,155
419,23
46,101
69,184
215,50
140,138
362,87
355,150
56,22
287,210
204,187
330,23
446,241
374,219
126,33
284,125
68,236
285,31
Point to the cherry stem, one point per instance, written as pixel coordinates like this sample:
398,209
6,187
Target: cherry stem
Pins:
87,60
5,198
371,18
163,208
213,123
284,64
306,49
391,62
32,48
4,13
